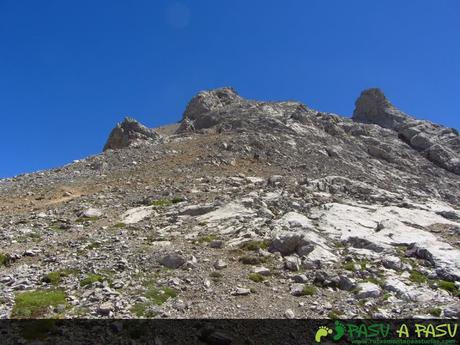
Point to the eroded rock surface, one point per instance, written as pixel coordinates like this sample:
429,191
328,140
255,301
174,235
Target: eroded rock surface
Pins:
249,209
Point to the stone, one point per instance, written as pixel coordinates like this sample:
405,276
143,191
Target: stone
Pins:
297,289
392,262
452,311
130,133
368,290
92,212
292,263
289,314
220,264
263,271
173,260
241,291
300,278
346,283
105,308
289,244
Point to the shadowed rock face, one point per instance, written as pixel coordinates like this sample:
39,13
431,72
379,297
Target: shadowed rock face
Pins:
129,133
439,144
373,107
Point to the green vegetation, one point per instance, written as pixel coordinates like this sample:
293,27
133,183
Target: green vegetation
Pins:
91,279
334,314
375,281
92,245
449,286
417,277
166,202
216,276
386,296
207,238
5,259
156,297
119,225
252,260
141,309
87,219
349,266
309,290
255,245
435,312
34,304
55,277
256,277
159,296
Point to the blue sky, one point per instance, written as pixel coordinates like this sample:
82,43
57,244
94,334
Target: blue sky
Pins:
69,70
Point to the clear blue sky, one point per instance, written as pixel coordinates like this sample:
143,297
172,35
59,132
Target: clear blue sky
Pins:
69,70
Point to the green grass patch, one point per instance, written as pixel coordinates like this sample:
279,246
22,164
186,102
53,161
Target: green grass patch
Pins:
349,266
436,312
252,260
55,277
334,314
449,286
5,259
92,245
375,281
255,245
207,238
417,277
309,290
216,276
87,219
160,296
119,225
256,277
166,202
35,304
91,279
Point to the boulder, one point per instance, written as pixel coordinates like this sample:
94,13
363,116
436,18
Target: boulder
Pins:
130,133
173,260
368,290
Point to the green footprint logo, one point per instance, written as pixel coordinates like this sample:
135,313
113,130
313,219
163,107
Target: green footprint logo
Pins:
322,331
339,331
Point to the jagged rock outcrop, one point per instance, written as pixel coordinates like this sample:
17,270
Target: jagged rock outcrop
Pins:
439,144
224,110
239,213
130,133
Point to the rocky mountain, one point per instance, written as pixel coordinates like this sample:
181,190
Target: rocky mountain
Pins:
246,209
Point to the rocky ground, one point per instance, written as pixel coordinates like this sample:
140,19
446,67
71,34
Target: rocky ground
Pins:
244,210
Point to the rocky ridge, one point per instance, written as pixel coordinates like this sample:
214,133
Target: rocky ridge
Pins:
247,209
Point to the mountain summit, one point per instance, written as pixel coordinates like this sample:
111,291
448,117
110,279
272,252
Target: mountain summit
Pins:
245,209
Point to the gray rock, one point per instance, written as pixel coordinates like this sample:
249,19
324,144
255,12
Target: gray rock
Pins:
292,263
289,314
300,278
368,290
264,271
241,291
346,283
392,262
92,212
439,144
452,311
220,264
130,133
173,260
297,289
289,244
